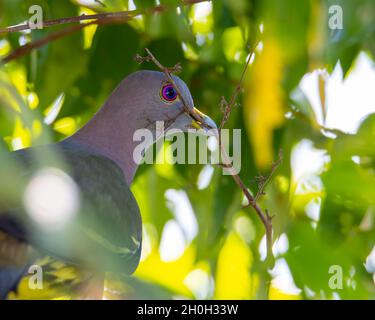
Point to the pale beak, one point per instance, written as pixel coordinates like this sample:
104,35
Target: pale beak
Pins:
202,121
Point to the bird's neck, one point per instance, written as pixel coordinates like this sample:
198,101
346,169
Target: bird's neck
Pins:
110,133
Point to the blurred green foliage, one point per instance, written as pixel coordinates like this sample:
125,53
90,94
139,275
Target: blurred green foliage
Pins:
74,75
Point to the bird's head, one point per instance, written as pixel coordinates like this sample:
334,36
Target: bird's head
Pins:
151,97
139,102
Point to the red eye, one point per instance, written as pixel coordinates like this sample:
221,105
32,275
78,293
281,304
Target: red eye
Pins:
169,93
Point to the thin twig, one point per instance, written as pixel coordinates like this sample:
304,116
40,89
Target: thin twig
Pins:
23,50
167,71
228,106
264,216
225,106
265,180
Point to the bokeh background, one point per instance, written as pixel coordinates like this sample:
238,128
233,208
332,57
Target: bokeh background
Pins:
309,91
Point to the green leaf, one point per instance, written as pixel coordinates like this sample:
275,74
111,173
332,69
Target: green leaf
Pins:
59,63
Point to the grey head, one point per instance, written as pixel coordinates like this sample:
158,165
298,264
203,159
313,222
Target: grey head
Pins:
140,101
150,97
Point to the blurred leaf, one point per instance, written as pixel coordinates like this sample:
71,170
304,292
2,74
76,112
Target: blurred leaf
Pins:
233,280
310,260
264,103
63,60
210,39
169,274
149,190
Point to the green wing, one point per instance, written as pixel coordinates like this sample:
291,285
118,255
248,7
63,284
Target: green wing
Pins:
104,235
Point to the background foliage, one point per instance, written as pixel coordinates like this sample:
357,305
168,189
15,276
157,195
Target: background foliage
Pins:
50,93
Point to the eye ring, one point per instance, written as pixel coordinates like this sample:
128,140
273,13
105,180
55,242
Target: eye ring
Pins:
168,93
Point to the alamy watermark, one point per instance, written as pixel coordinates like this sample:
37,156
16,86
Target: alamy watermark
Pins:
201,147
36,20
337,280
36,277
335,21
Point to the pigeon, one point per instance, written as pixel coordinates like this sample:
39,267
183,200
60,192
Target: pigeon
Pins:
69,204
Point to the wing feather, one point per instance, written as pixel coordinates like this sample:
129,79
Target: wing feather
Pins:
106,231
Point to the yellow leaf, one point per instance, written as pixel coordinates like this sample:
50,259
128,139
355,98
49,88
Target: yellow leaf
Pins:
201,18
88,32
233,278
36,128
17,76
21,135
60,281
24,292
66,126
263,106
277,294
233,44
4,47
64,274
170,274
32,100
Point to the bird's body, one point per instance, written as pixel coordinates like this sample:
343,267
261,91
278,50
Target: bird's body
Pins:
99,225
106,232
108,209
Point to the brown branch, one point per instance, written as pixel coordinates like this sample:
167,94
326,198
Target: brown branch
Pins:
264,216
76,19
97,17
23,50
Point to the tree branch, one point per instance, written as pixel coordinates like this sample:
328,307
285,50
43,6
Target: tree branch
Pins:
23,50
97,17
76,19
263,216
